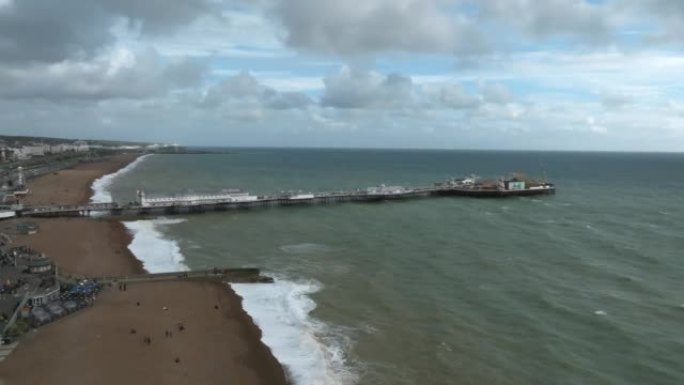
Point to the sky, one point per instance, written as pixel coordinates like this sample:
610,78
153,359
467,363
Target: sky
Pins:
590,75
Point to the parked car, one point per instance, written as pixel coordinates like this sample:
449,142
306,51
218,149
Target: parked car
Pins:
70,306
39,316
55,309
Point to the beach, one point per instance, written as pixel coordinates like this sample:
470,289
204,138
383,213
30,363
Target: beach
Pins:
219,342
73,185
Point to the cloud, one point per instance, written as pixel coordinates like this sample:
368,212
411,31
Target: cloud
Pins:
118,73
542,19
354,88
496,93
464,28
616,100
52,31
374,26
289,100
667,16
454,96
245,90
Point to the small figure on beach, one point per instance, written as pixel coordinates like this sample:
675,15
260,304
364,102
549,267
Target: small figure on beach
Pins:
177,360
216,307
133,331
181,327
147,340
137,303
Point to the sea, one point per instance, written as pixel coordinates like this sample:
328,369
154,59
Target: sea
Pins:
585,287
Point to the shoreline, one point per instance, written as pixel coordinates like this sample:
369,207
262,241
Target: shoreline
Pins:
219,349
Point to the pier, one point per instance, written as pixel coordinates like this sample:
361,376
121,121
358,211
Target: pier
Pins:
234,200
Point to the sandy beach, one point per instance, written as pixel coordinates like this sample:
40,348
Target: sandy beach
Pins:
72,186
98,346
219,344
82,246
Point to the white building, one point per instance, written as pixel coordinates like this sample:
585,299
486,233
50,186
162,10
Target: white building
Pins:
32,150
81,146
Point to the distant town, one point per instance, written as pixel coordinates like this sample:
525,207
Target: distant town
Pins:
14,149
23,158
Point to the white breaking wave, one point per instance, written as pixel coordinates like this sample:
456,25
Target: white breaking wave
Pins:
312,352
157,253
303,345
101,185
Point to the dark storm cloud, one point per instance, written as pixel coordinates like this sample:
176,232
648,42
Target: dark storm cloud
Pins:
50,31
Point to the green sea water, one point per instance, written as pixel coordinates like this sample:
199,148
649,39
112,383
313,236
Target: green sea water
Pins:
584,287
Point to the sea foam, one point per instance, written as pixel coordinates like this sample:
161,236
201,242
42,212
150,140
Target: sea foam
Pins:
101,185
157,253
309,349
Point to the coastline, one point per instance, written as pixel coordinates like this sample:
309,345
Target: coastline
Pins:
218,345
74,185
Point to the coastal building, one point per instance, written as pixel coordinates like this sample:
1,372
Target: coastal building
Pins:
32,150
40,265
44,295
28,280
81,146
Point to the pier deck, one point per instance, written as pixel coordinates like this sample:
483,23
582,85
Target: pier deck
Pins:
172,208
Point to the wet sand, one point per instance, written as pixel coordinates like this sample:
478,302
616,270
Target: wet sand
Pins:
95,345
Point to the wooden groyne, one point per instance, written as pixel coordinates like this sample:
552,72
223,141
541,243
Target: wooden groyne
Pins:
231,275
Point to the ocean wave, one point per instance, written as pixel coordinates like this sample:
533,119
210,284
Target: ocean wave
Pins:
101,185
312,351
305,248
157,253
